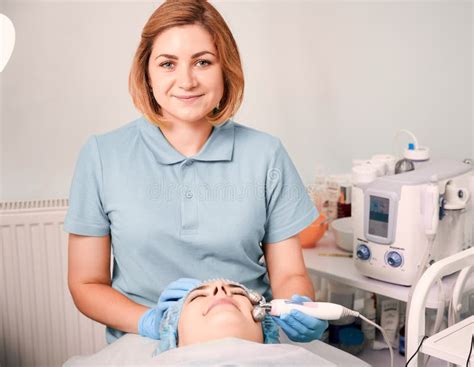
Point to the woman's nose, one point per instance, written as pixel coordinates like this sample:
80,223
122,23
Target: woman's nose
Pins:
221,289
186,79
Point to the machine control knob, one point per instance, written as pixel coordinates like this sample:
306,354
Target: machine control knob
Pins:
394,259
363,252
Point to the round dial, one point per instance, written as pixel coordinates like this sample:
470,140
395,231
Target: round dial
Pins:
363,252
394,259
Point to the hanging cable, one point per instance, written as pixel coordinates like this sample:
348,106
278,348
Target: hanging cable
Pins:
417,349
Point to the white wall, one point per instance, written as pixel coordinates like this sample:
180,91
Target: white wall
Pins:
333,79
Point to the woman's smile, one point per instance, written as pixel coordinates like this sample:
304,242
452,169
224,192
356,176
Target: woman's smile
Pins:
188,99
221,302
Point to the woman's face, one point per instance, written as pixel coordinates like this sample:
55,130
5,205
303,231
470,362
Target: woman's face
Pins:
183,64
217,310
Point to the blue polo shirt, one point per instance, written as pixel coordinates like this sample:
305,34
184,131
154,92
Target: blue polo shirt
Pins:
172,216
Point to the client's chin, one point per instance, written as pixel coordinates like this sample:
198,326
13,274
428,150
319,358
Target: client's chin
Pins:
223,322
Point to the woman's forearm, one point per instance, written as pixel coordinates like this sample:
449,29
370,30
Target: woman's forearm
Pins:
108,306
295,284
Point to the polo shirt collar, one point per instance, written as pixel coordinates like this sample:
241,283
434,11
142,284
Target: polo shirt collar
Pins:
218,147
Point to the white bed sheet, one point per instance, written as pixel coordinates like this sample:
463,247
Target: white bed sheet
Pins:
136,350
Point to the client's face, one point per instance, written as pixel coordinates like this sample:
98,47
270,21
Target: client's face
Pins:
217,310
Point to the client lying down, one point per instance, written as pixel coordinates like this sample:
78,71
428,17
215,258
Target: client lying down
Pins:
214,323
213,310
219,322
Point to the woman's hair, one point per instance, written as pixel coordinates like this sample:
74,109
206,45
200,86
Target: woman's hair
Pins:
173,13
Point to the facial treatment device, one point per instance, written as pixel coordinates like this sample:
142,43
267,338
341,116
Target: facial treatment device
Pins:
320,310
402,222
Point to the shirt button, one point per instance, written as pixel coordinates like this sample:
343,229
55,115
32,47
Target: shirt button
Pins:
189,194
189,163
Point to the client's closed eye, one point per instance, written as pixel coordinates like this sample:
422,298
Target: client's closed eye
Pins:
234,289
242,293
194,296
239,292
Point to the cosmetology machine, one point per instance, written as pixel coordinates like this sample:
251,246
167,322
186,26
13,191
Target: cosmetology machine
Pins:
404,221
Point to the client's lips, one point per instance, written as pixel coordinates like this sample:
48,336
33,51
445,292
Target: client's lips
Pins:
221,301
190,97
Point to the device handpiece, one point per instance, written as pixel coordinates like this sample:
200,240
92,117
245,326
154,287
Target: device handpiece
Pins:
321,310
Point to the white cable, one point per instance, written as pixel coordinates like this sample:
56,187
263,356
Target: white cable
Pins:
439,315
451,313
421,269
441,307
399,132
385,337
321,310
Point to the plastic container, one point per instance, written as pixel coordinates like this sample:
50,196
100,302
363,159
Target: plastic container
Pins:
344,202
343,233
379,166
401,343
351,340
348,337
343,295
364,174
370,312
337,186
319,194
388,160
314,232
389,318
404,165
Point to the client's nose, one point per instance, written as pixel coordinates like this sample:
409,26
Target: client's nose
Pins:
220,288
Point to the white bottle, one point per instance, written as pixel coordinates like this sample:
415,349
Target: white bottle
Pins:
369,311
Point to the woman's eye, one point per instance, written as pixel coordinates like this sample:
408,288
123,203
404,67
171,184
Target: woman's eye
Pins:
170,65
239,292
166,64
204,62
197,296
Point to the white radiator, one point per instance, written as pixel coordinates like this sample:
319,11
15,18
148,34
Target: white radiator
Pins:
39,323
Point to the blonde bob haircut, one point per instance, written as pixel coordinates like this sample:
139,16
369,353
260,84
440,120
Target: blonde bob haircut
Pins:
175,13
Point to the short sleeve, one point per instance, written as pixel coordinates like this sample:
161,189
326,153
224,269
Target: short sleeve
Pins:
289,207
86,215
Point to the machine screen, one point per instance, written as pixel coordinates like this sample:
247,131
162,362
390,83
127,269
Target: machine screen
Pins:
378,216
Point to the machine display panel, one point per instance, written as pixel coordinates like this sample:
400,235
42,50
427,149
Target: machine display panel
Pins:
379,216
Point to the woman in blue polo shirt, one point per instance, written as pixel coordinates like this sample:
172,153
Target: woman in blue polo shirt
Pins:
184,192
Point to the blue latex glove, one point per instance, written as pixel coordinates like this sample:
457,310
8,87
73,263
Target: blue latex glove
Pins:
300,327
149,323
